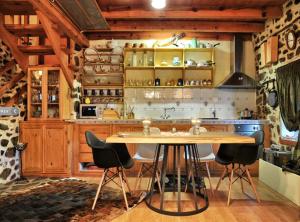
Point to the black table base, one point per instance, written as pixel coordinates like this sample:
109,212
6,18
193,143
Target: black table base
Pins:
195,186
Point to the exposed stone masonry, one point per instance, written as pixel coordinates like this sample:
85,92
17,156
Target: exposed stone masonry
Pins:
9,126
278,27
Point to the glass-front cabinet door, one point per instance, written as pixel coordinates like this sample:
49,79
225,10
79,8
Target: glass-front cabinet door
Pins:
53,93
48,94
35,94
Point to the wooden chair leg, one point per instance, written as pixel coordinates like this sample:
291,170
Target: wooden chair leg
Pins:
138,177
221,178
252,185
126,181
158,182
123,188
241,179
209,178
99,188
230,185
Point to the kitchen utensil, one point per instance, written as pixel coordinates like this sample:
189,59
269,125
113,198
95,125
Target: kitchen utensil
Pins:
91,55
157,82
110,114
163,63
273,96
180,82
176,61
190,62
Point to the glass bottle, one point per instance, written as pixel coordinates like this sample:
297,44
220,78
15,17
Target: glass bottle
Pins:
134,59
145,59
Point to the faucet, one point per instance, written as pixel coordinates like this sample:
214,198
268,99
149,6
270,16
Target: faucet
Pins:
165,115
214,113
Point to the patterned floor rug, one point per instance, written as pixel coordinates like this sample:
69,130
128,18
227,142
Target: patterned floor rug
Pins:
59,200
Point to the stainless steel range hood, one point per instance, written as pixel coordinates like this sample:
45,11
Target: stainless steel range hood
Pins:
237,78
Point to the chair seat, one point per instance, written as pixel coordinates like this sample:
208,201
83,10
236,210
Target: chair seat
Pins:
207,158
223,161
139,158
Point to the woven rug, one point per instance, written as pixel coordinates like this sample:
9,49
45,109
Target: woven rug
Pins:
59,200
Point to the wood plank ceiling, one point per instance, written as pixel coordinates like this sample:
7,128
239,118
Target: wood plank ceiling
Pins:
197,18
203,18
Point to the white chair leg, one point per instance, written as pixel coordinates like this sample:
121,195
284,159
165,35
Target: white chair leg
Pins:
123,188
158,182
209,178
138,177
99,188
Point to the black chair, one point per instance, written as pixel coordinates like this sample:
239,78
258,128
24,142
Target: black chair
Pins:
243,155
225,157
107,156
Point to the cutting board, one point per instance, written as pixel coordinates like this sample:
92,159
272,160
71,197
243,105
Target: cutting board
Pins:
110,114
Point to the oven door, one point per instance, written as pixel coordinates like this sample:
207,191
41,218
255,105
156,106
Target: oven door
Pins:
88,111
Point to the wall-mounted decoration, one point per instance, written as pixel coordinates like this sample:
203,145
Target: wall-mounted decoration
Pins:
272,50
291,39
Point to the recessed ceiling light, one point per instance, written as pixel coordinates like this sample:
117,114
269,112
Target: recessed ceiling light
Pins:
158,4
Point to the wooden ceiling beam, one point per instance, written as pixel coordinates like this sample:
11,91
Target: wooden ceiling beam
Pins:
183,26
12,42
24,30
248,14
158,35
55,40
7,67
64,24
36,49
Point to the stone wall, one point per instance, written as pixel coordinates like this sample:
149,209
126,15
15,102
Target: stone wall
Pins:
290,20
9,126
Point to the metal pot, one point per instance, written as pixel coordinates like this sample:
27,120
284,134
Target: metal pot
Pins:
273,97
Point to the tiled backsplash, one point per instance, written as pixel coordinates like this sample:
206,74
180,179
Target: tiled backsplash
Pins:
188,103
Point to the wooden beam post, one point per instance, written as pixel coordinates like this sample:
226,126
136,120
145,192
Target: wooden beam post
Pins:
184,26
12,42
55,41
247,14
57,17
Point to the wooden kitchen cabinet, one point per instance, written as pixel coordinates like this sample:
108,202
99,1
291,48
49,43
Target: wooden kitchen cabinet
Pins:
47,150
82,153
55,149
32,156
48,94
194,67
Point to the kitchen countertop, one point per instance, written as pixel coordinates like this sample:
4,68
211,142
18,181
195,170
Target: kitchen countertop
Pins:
171,121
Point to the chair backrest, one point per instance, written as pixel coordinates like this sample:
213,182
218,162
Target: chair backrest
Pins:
227,152
259,140
103,154
203,149
148,150
246,154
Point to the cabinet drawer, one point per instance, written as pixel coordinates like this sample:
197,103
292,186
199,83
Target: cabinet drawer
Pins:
95,129
86,157
100,135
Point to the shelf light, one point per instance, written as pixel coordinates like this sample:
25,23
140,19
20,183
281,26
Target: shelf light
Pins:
158,4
